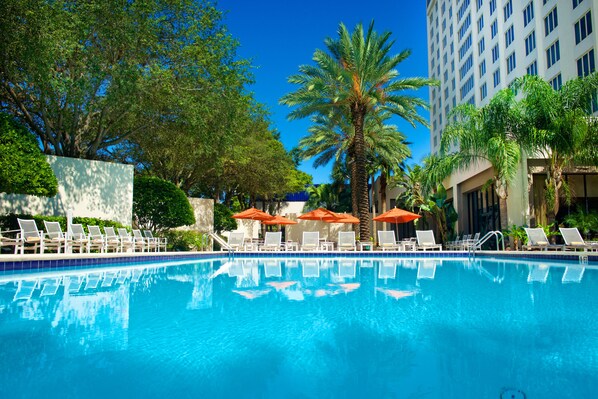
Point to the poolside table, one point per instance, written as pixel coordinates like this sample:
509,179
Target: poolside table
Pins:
365,245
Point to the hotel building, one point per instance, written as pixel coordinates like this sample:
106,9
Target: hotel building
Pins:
478,47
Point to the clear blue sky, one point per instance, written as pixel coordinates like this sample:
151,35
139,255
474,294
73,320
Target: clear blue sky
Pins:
278,36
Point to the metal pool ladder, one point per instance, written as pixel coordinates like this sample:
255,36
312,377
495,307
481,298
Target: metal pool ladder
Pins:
222,243
478,245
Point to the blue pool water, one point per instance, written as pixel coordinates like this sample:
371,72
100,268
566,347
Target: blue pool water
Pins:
312,328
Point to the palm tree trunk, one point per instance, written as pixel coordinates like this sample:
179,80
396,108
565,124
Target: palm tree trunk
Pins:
504,217
353,181
358,115
383,185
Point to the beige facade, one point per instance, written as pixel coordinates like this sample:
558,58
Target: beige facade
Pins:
88,188
203,209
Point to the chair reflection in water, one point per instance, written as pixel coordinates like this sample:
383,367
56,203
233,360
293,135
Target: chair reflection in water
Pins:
347,268
311,268
272,268
426,269
387,269
573,274
538,273
25,289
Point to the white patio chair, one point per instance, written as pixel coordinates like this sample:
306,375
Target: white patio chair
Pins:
346,241
155,242
272,241
236,240
54,234
96,239
311,241
31,238
9,242
78,239
426,240
387,241
573,239
127,241
112,240
536,239
140,241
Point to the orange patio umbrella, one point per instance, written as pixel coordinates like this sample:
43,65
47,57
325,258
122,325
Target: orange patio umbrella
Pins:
320,214
397,215
342,218
279,220
253,214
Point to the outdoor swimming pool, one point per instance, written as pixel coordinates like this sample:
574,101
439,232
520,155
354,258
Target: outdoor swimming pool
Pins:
308,328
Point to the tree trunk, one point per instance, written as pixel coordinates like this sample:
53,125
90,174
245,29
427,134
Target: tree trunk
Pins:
358,115
383,185
554,182
504,217
353,181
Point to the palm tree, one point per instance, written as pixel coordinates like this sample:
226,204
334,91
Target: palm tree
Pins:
486,134
561,129
357,76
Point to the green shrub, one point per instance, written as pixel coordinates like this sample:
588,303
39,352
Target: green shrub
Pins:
187,240
159,205
223,218
23,167
9,222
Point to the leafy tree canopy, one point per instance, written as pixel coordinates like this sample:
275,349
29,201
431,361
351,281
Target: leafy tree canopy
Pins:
23,167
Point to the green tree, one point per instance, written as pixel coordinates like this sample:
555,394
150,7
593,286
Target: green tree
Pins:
223,220
160,205
23,167
486,134
561,128
86,75
357,76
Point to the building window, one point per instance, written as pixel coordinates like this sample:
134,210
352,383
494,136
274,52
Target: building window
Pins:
450,12
453,84
482,68
462,9
466,88
511,62
557,82
532,69
464,27
553,54
496,77
481,46
452,48
483,91
446,93
508,9
464,47
444,42
509,36
528,13
551,22
451,31
493,29
480,23
492,6
583,27
495,53
575,3
586,64
479,4
466,66
530,43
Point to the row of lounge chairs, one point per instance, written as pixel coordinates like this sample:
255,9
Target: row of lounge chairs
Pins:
536,239
29,238
346,242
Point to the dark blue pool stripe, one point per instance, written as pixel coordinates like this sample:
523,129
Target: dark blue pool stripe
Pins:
49,264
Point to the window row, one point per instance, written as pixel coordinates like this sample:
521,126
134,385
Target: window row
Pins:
583,27
528,13
551,21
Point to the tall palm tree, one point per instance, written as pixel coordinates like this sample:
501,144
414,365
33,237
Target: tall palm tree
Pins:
358,76
561,129
486,134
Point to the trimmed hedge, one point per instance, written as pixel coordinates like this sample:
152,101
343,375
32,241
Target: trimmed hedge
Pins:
9,222
186,240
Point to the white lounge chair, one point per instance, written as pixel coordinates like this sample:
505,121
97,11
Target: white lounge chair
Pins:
96,239
272,241
31,238
536,239
574,241
140,241
79,239
311,241
346,241
54,234
387,240
9,242
112,241
160,242
236,240
426,240
127,241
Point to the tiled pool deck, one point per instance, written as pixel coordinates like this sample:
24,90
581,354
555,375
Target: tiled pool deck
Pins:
37,262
